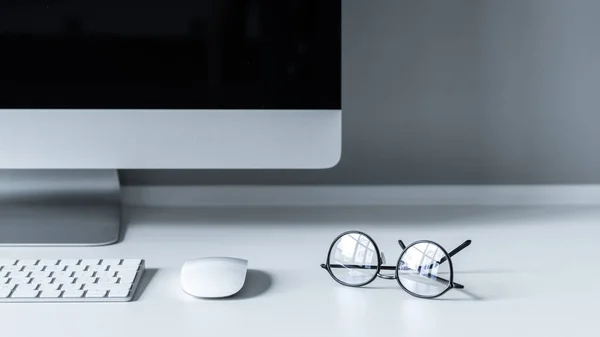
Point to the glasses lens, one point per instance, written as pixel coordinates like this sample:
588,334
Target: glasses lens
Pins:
420,270
353,259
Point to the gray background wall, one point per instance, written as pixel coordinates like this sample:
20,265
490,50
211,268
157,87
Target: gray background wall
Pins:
457,92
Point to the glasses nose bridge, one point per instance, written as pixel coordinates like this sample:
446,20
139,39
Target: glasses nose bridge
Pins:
386,277
383,262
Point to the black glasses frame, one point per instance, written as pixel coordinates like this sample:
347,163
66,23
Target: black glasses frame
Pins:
447,258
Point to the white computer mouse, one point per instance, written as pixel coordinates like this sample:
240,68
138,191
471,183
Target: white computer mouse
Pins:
213,277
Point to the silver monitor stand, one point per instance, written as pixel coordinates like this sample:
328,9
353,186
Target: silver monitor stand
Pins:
58,179
59,207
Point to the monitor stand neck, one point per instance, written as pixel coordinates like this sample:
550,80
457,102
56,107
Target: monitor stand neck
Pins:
59,207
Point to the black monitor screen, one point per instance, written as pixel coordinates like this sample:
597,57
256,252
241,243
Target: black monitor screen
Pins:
170,54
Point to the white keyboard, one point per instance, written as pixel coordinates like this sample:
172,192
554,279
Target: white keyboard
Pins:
69,280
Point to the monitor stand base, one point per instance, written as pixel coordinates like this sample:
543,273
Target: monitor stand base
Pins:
59,207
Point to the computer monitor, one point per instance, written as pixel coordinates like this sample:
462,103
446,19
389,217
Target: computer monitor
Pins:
89,87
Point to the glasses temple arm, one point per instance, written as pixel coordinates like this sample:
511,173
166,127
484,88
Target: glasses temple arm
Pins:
457,250
454,284
452,253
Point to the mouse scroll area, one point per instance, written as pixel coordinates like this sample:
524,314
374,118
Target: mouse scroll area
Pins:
213,277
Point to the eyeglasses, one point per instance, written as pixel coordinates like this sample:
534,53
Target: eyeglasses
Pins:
424,268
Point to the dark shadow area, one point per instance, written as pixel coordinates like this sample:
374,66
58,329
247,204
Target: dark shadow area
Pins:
490,271
146,278
446,297
347,216
300,215
350,215
472,296
257,283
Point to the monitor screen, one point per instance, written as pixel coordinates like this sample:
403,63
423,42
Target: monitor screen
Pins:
170,54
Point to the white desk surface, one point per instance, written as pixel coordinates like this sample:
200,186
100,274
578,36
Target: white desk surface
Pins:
531,271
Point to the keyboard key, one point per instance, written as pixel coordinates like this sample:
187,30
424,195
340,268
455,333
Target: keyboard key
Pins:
80,274
67,280
89,286
118,293
16,280
125,285
34,268
49,286
12,268
107,280
55,268
71,286
97,268
110,273
129,267
72,293
26,262
24,293
27,287
131,262
62,274
95,293
50,293
86,280
69,262
19,274
126,276
75,268
48,262
111,262
7,262
43,280
105,286
90,262
4,292
119,286
40,274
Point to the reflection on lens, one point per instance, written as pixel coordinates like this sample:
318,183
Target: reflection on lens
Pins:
420,270
353,259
